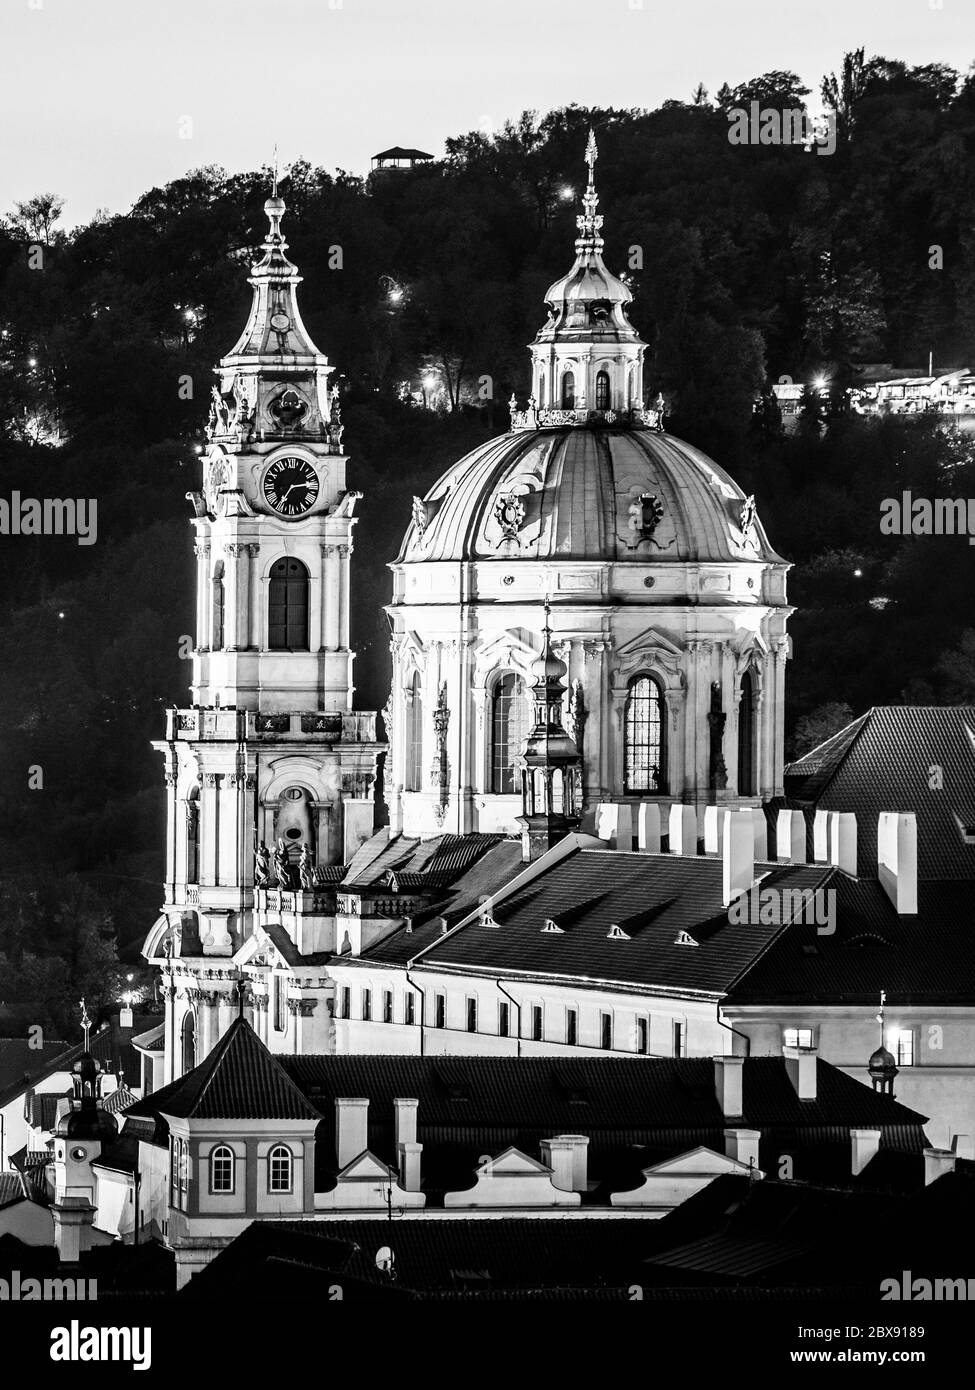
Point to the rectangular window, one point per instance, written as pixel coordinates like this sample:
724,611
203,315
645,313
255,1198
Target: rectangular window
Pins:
279,1003
606,1032
797,1037
643,1035
367,1004
472,1015
680,1038
904,1050
387,1006
440,1011
572,1027
537,1022
345,1002
410,1007
504,1019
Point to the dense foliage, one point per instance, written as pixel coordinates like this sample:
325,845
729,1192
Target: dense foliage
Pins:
746,263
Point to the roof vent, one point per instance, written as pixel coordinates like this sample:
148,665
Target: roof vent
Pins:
443,925
684,938
966,824
551,926
487,918
616,933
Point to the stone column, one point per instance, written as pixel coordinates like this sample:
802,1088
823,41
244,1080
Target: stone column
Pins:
232,617
202,552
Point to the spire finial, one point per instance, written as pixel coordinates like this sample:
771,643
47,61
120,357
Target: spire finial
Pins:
85,1022
274,190
592,153
880,1016
589,220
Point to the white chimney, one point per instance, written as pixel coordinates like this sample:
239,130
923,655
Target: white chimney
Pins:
897,859
408,1156
125,1017
742,1145
759,833
683,829
738,856
714,819
648,827
800,1066
937,1162
351,1128
864,1144
962,1146
614,823
841,840
567,1156
821,837
728,1072
790,837
404,1120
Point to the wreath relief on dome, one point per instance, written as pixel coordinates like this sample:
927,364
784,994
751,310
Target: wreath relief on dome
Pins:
747,518
645,512
509,513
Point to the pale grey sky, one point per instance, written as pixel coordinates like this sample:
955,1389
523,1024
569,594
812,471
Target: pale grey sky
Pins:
93,93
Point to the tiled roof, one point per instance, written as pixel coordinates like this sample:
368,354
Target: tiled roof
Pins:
120,1155
22,1065
40,1109
239,1080
921,959
119,1100
11,1189
651,898
152,1040
882,762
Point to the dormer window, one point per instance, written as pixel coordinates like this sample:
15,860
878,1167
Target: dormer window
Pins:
279,1169
222,1169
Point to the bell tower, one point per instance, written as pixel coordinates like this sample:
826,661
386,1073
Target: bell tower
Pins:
269,771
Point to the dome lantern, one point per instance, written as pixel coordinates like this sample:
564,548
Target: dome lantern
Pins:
587,359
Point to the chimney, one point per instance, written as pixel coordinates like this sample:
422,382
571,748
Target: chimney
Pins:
738,856
351,1128
714,819
408,1157
937,1162
841,840
404,1120
742,1145
790,837
962,1147
648,827
759,833
568,1159
800,1066
728,1073
614,823
864,1144
821,837
125,1017
683,829
897,859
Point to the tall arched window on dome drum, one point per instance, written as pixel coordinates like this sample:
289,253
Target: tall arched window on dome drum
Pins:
644,737
509,729
216,624
287,615
746,736
602,390
413,779
189,1043
568,391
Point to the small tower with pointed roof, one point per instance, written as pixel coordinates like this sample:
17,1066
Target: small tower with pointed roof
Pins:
551,761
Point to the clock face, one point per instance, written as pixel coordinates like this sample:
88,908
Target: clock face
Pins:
291,486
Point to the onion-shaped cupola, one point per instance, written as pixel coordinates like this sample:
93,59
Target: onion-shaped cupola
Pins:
551,763
587,360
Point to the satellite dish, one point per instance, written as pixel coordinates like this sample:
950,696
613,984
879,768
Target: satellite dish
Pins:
385,1260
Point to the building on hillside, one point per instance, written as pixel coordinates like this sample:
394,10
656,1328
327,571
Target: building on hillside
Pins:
396,157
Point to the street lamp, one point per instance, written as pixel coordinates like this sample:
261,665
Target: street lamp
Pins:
428,381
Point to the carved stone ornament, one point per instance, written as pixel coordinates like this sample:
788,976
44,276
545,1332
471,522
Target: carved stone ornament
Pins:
646,513
289,409
747,516
509,513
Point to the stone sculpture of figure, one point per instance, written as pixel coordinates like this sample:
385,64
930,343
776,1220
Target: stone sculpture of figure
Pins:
282,868
262,865
306,869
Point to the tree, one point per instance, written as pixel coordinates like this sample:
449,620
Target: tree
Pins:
958,669
35,218
842,94
818,726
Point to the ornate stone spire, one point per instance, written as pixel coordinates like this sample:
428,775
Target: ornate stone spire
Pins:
587,360
551,760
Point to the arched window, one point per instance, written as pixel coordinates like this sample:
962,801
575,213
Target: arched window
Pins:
414,736
602,390
541,391
189,1043
509,729
568,391
216,626
193,836
221,1169
279,1003
746,736
287,618
644,737
279,1169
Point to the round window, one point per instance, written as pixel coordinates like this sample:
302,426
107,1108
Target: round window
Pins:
79,1154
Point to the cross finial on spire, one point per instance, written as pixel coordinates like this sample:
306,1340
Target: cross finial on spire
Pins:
85,1021
880,1016
274,193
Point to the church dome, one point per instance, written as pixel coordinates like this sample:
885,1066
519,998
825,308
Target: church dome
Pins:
596,494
